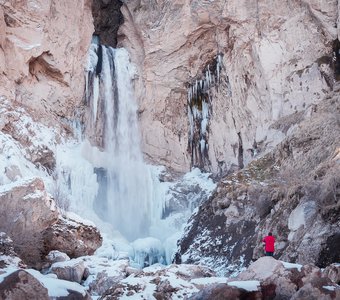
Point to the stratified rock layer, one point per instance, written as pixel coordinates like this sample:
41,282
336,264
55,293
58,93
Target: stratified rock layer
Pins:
277,58
43,48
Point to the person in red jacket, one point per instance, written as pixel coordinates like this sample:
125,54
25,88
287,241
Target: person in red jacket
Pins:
269,242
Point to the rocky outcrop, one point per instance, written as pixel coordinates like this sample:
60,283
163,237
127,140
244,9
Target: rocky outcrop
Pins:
288,281
43,48
293,192
276,59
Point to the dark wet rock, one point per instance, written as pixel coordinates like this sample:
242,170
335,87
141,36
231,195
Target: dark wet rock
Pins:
107,19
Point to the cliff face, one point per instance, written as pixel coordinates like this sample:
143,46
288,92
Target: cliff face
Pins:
43,47
274,58
294,192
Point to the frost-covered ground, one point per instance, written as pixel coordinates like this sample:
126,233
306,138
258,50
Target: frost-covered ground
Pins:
104,272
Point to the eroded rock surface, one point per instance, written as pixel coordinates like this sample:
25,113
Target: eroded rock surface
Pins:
276,60
293,192
43,50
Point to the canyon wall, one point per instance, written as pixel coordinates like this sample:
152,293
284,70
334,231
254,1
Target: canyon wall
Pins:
274,58
43,49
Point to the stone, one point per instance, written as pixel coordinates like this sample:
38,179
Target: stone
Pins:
8,257
223,291
318,288
56,256
332,272
105,273
27,211
22,285
72,270
72,237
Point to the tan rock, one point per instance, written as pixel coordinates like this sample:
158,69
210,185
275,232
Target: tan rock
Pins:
72,270
276,58
72,237
26,211
43,48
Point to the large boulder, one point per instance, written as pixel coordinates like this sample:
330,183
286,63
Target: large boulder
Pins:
72,237
29,215
21,285
290,281
26,212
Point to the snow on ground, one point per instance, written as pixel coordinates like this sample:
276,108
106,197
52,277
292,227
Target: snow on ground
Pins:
288,265
57,287
248,285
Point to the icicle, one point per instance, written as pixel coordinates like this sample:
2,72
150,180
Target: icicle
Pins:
95,98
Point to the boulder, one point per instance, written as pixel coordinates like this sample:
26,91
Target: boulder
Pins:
318,289
56,256
26,212
20,285
333,272
223,292
103,273
72,237
72,270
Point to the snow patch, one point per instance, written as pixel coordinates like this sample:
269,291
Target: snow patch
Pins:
249,285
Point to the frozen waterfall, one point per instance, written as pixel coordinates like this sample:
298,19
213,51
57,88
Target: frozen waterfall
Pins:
126,202
105,179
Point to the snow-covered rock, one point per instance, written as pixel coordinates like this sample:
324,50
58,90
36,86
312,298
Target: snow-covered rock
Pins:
72,237
8,256
22,285
56,256
72,270
27,211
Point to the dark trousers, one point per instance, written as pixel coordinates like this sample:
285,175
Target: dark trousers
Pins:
269,253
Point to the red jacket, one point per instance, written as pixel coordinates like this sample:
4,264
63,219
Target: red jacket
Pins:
269,240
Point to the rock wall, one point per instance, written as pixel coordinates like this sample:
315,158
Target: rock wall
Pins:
43,48
276,58
294,192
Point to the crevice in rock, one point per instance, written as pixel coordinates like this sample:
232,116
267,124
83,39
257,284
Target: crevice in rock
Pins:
336,59
199,112
44,65
330,252
240,151
107,18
